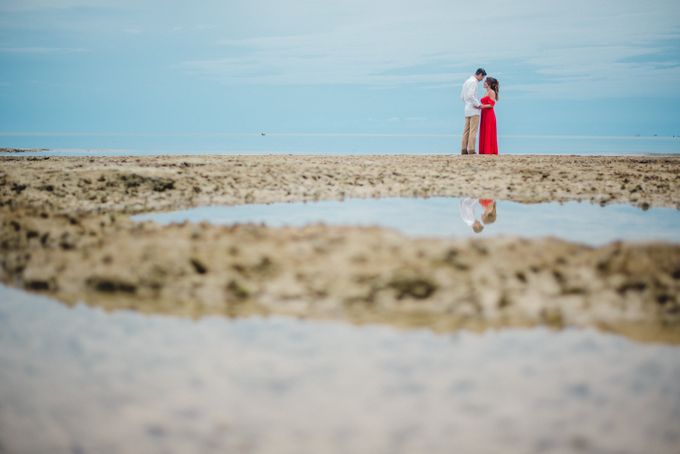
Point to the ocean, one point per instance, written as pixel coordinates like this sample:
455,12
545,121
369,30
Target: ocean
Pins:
144,144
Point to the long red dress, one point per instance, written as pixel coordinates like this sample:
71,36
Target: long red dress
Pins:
488,140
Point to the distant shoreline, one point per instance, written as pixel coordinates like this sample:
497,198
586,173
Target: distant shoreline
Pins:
22,150
318,144
319,134
128,153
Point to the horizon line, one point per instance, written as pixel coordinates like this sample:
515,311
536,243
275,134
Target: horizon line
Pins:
310,134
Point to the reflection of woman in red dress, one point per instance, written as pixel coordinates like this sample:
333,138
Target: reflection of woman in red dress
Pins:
489,215
488,140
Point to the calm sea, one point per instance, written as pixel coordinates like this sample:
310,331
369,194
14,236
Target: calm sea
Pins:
111,144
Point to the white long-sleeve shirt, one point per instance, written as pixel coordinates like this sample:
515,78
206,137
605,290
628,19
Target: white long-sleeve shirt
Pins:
467,210
469,96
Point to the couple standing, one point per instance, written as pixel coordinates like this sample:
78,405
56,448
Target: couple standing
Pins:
474,108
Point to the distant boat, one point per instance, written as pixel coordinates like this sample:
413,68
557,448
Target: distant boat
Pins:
263,134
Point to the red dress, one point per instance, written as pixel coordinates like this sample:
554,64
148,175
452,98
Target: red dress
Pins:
488,140
486,202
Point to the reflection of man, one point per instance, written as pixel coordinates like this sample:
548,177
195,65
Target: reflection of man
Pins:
467,212
469,96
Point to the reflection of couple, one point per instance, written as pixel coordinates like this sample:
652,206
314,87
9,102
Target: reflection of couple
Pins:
467,212
488,140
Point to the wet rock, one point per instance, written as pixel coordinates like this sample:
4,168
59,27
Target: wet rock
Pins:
163,184
131,181
663,299
135,181
635,286
552,316
110,285
238,291
198,266
418,288
18,188
67,241
38,284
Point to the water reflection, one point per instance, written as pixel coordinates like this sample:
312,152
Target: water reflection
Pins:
436,216
81,380
489,214
467,212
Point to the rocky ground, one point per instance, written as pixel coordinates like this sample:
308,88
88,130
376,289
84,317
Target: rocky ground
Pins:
65,231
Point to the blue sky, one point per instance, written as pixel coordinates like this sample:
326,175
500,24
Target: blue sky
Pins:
579,67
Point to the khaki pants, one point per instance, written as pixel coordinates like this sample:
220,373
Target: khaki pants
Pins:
470,135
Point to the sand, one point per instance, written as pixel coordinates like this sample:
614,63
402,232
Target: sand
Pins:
66,232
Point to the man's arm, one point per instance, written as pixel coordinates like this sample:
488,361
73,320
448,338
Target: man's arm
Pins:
469,96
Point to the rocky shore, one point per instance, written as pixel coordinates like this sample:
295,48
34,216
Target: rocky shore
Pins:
22,150
65,231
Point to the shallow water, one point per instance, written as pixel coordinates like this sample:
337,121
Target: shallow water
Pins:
441,216
81,380
142,144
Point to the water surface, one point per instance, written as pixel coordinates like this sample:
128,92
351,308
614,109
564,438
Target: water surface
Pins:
82,380
441,216
146,144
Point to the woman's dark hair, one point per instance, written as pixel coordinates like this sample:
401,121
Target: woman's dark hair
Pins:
493,84
480,71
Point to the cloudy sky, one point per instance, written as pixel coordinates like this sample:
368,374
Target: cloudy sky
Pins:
584,67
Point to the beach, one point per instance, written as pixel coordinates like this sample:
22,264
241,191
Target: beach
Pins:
67,233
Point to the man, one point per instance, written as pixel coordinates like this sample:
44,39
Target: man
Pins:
472,111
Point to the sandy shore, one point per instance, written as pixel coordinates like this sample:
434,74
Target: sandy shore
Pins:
66,232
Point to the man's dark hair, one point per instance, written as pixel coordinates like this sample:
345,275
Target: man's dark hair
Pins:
480,71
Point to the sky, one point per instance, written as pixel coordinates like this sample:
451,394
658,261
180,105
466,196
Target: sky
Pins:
584,67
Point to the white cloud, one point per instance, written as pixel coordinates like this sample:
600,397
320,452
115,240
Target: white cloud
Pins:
578,48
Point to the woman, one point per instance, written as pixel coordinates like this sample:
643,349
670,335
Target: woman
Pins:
488,140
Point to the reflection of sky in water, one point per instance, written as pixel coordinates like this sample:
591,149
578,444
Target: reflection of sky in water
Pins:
66,144
81,380
440,216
